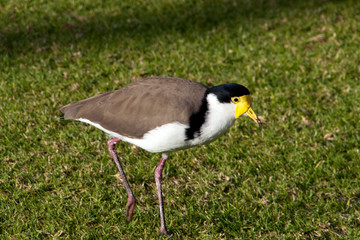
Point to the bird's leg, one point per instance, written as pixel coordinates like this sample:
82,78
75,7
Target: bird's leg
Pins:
158,175
131,198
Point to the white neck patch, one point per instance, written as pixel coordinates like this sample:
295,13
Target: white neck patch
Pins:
219,118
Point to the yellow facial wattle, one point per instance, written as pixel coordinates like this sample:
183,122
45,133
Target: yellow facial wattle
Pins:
243,104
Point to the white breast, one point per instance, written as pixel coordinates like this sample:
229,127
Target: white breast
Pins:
220,117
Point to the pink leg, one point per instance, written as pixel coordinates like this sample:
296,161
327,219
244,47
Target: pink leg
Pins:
158,176
131,198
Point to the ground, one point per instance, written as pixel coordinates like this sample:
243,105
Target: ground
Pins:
295,177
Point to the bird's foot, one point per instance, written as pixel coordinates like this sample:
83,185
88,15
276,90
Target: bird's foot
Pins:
130,207
165,232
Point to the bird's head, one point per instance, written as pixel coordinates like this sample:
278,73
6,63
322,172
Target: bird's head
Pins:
236,94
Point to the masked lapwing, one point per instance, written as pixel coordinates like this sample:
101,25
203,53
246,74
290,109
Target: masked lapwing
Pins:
162,115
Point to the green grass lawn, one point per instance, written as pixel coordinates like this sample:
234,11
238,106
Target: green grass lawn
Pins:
296,177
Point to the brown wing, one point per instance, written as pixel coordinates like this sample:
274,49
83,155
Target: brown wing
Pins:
141,106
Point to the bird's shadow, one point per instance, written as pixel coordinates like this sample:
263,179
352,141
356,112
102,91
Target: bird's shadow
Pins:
134,22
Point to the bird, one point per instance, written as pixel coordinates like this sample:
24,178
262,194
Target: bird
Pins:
162,115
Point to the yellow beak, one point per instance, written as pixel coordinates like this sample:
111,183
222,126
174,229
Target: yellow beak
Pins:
253,116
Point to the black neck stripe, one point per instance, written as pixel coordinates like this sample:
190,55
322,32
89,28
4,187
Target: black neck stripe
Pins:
197,120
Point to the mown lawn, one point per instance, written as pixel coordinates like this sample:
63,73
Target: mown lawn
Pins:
296,177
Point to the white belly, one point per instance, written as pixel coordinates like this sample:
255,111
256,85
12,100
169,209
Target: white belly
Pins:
167,138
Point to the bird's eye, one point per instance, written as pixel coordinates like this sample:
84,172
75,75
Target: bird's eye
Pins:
235,100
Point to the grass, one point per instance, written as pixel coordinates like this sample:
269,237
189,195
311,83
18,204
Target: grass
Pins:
296,177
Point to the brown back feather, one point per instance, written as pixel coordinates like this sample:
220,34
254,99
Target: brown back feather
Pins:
141,106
